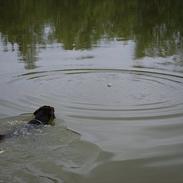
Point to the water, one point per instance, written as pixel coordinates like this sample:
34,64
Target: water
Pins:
115,80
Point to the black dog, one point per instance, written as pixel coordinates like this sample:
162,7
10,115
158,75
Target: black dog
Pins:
43,116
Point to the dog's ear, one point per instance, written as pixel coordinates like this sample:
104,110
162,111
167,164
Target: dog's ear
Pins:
52,112
38,110
35,113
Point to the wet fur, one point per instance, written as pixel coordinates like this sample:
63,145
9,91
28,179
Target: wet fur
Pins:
43,116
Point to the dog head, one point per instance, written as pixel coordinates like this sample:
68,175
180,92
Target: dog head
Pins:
45,114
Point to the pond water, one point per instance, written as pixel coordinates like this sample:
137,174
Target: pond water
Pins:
113,70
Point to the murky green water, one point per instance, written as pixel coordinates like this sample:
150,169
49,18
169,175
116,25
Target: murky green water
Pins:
113,70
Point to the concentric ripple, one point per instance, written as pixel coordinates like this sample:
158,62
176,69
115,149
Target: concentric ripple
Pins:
108,94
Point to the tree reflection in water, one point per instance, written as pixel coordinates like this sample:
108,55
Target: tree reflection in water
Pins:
155,26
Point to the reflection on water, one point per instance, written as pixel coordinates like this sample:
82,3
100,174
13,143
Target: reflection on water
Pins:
112,69
30,25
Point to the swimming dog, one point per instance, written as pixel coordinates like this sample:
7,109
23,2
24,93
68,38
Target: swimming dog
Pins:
42,116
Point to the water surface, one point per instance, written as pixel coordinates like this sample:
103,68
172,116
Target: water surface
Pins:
113,70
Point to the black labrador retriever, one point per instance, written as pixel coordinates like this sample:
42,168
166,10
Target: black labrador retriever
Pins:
43,116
